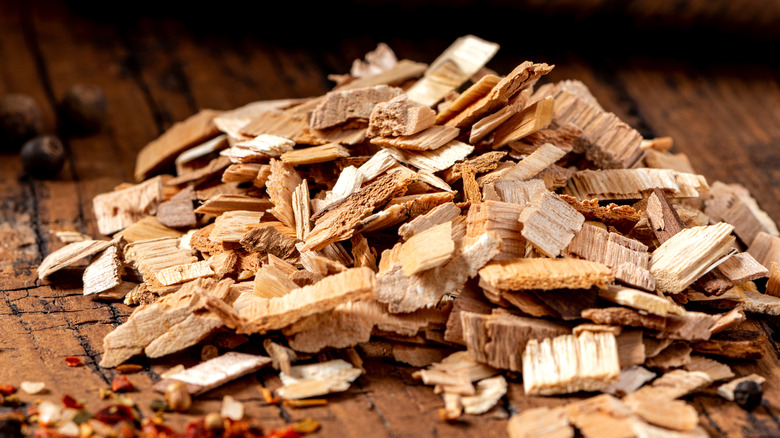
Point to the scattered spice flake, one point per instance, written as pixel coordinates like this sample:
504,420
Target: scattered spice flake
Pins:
269,396
152,429
235,429
73,361
307,425
129,368
288,432
121,384
7,389
305,403
71,402
114,414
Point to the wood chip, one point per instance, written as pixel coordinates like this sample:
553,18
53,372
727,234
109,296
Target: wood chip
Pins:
219,204
567,364
341,106
732,203
529,120
641,300
215,372
315,154
427,140
620,184
540,422
70,254
104,272
534,163
181,136
499,339
318,379
687,255
451,69
489,391
441,158
399,117
549,223
443,213
428,249
502,219
261,315
121,208
545,274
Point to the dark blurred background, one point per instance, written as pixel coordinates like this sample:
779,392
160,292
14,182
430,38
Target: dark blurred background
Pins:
701,30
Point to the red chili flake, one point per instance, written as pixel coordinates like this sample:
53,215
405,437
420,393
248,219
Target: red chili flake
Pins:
7,389
287,432
121,384
73,361
71,402
152,430
48,433
114,414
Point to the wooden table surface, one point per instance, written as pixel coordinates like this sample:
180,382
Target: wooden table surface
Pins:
722,109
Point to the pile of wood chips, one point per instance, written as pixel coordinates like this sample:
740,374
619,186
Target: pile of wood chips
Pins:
441,208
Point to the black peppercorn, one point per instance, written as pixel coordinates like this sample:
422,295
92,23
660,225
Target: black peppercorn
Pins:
20,120
42,157
748,395
83,109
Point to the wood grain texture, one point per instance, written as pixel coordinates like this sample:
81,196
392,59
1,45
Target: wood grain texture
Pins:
157,71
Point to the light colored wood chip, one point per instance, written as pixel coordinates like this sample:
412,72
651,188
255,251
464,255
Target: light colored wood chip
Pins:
729,319
455,373
215,372
281,356
640,300
231,122
499,339
354,323
773,284
687,255
315,154
178,138
223,203
671,385
545,274
675,355
665,160
631,379
611,249
501,218
287,124
262,315
104,272
618,184
191,159
540,422
505,93
474,93
427,140
70,254
350,180
402,71
549,223
231,226
280,187
766,249
408,293
428,249
663,218
271,282
714,369
118,209
489,391
568,363
341,106
318,379
399,117
755,302
733,203
624,316
184,273
247,172
266,144
147,228
268,240
452,68
302,210
742,267
443,213
342,221
436,160
529,120
530,166
168,325
376,61
669,414
402,209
